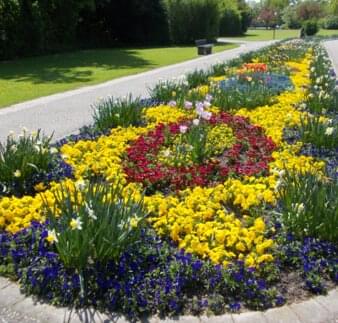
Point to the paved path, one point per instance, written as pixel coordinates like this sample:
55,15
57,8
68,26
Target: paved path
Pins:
15,307
332,49
66,112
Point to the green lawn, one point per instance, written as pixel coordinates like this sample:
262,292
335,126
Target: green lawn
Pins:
263,34
30,78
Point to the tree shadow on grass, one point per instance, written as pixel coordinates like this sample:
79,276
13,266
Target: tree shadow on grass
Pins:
71,67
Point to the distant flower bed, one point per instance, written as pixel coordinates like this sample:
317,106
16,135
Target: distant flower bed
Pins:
203,198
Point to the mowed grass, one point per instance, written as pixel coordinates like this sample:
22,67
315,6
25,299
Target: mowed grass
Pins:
30,78
263,34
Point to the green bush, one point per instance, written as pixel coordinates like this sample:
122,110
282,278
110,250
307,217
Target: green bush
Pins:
310,27
330,22
231,22
192,19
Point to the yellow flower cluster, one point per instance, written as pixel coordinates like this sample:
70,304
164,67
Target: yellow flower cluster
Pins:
17,213
103,156
199,223
219,138
165,114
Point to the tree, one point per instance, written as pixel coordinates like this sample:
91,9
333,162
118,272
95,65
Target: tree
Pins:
268,16
309,10
289,17
334,7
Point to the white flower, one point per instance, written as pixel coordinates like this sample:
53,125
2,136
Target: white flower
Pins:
90,211
76,224
34,134
24,129
207,104
80,184
37,148
11,134
196,122
53,150
208,97
13,148
278,185
312,69
188,105
17,173
166,153
183,129
329,131
52,237
298,207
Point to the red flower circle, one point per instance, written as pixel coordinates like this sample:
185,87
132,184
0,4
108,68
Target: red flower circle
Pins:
249,155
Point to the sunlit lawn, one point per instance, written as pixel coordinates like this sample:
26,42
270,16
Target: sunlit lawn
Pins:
263,34
29,78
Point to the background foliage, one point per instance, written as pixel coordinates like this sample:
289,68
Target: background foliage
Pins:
31,27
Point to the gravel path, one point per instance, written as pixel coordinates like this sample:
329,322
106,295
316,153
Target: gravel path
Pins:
65,113
332,49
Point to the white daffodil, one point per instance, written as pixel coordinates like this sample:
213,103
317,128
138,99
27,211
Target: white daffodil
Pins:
17,173
52,236
76,224
90,211
329,131
80,184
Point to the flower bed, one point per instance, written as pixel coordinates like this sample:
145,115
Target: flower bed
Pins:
206,198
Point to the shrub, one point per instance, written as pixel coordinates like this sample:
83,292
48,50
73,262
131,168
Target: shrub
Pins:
330,22
192,19
310,27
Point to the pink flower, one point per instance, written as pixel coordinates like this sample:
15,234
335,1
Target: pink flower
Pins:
199,108
172,103
206,115
183,129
